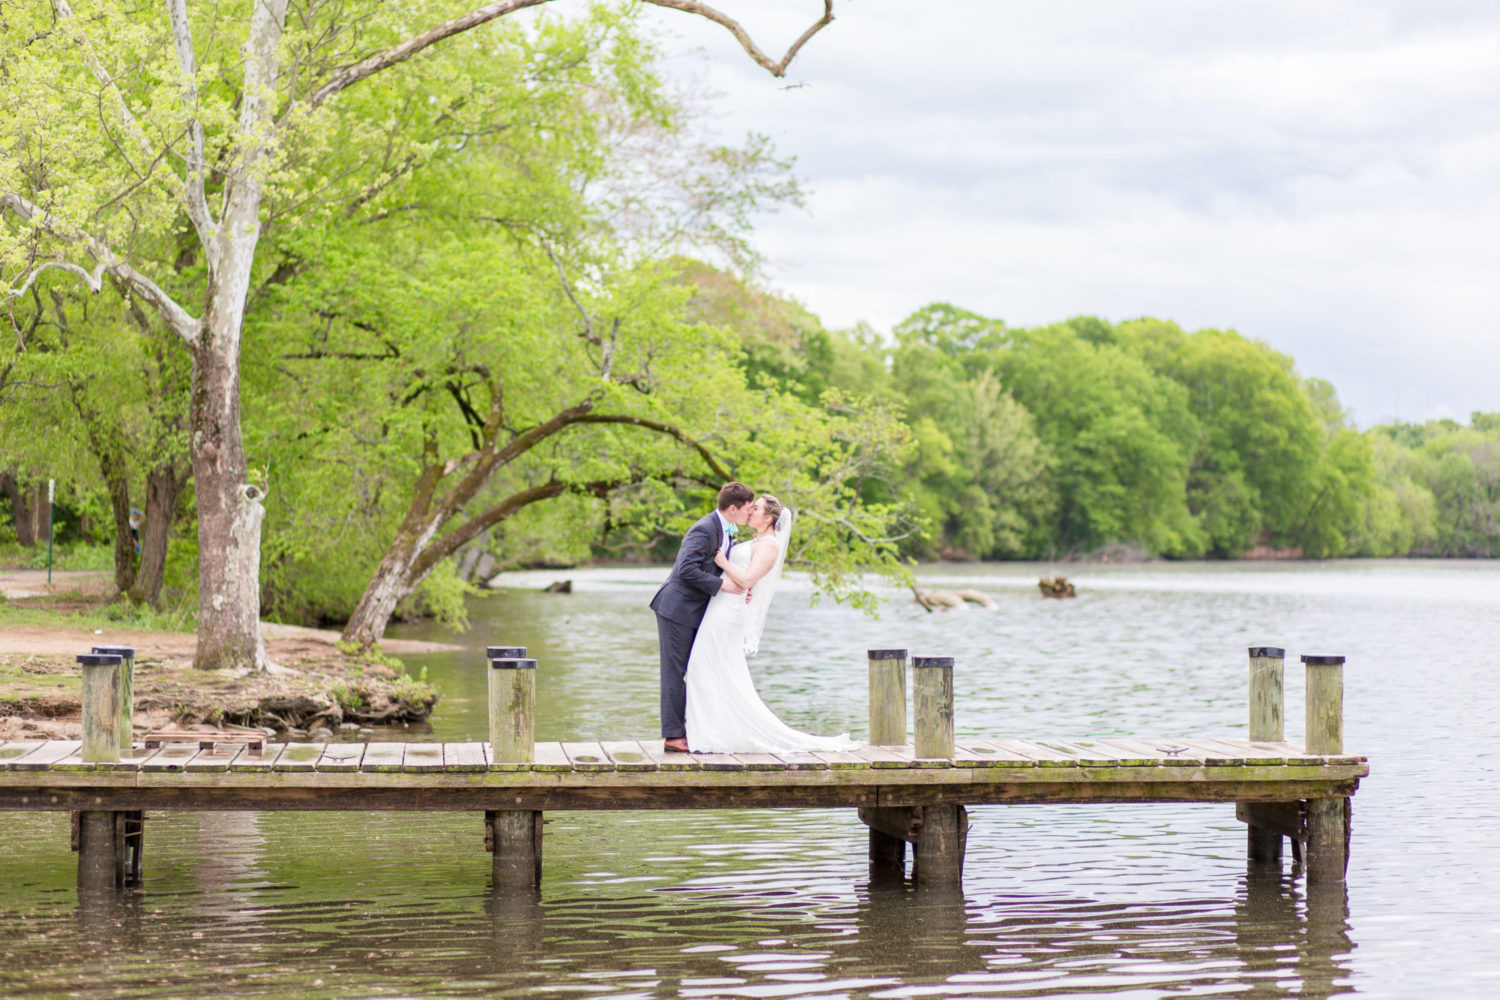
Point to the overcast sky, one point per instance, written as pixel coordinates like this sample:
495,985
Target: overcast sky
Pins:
1320,175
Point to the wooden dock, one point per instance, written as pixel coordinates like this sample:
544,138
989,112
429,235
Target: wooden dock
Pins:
913,793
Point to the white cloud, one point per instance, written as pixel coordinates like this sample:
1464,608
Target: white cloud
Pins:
1324,176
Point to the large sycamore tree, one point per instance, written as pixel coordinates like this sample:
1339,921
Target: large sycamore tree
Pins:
151,145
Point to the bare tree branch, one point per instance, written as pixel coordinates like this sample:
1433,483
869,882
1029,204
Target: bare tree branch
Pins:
489,12
177,318
776,69
193,193
400,53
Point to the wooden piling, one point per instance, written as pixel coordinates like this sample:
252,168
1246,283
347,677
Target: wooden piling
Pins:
101,858
512,709
1325,704
891,829
1327,819
101,706
516,838
940,845
887,697
1267,693
1263,837
932,683
127,692
515,835
1327,839
887,728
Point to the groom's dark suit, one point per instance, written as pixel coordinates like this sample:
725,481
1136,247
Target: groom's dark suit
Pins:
679,607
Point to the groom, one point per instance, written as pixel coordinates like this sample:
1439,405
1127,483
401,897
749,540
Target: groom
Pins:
681,601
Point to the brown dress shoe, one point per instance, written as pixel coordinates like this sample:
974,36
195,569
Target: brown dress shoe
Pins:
675,746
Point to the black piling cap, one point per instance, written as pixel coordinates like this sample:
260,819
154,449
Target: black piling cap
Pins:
1275,652
1323,661
505,652
932,661
887,654
126,651
100,659
512,663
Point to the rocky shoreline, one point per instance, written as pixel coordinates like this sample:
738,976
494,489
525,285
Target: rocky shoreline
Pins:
314,683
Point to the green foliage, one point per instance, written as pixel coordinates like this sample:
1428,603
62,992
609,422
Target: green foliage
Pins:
1120,437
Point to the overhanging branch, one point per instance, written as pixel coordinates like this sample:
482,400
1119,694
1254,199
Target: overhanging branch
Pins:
776,69
366,68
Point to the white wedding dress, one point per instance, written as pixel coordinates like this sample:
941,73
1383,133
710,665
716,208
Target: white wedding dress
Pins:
724,712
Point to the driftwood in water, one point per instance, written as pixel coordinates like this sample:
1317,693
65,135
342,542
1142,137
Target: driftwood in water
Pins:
977,597
1056,587
933,599
559,587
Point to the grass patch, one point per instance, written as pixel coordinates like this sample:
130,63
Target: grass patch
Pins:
76,609
23,676
68,557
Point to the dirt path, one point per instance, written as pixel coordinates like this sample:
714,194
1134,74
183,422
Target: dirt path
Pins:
283,642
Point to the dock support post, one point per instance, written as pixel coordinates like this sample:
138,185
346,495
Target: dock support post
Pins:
101,833
891,829
127,692
101,858
887,729
1328,820
1263,843
940,845
515,835
932,683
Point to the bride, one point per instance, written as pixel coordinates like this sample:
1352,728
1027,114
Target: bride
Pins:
724,712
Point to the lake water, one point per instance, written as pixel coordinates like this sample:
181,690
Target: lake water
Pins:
1058,901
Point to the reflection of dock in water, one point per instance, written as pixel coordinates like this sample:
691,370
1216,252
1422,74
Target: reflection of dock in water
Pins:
907,793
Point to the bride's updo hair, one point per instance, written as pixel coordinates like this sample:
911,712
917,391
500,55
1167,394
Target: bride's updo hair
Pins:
772,505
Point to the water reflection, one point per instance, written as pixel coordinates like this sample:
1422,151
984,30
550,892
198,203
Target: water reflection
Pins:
915,930
1282,921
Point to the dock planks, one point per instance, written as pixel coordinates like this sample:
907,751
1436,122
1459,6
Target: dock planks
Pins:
638,774
632,759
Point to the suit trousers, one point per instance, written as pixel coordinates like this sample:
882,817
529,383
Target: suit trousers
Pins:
676,642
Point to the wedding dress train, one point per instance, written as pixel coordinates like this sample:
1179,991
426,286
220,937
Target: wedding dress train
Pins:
724,711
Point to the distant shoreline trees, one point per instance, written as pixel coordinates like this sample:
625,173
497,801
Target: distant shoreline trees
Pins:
1086,437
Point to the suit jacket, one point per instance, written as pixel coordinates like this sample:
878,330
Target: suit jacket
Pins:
694,577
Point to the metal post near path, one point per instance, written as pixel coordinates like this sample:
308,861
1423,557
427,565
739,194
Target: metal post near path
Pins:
50,484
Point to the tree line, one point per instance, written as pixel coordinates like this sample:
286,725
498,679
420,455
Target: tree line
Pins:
1085,437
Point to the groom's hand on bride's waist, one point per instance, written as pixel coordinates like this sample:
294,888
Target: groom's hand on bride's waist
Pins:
730,587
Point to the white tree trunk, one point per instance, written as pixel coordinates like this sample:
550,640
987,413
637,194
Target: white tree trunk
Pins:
229,507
